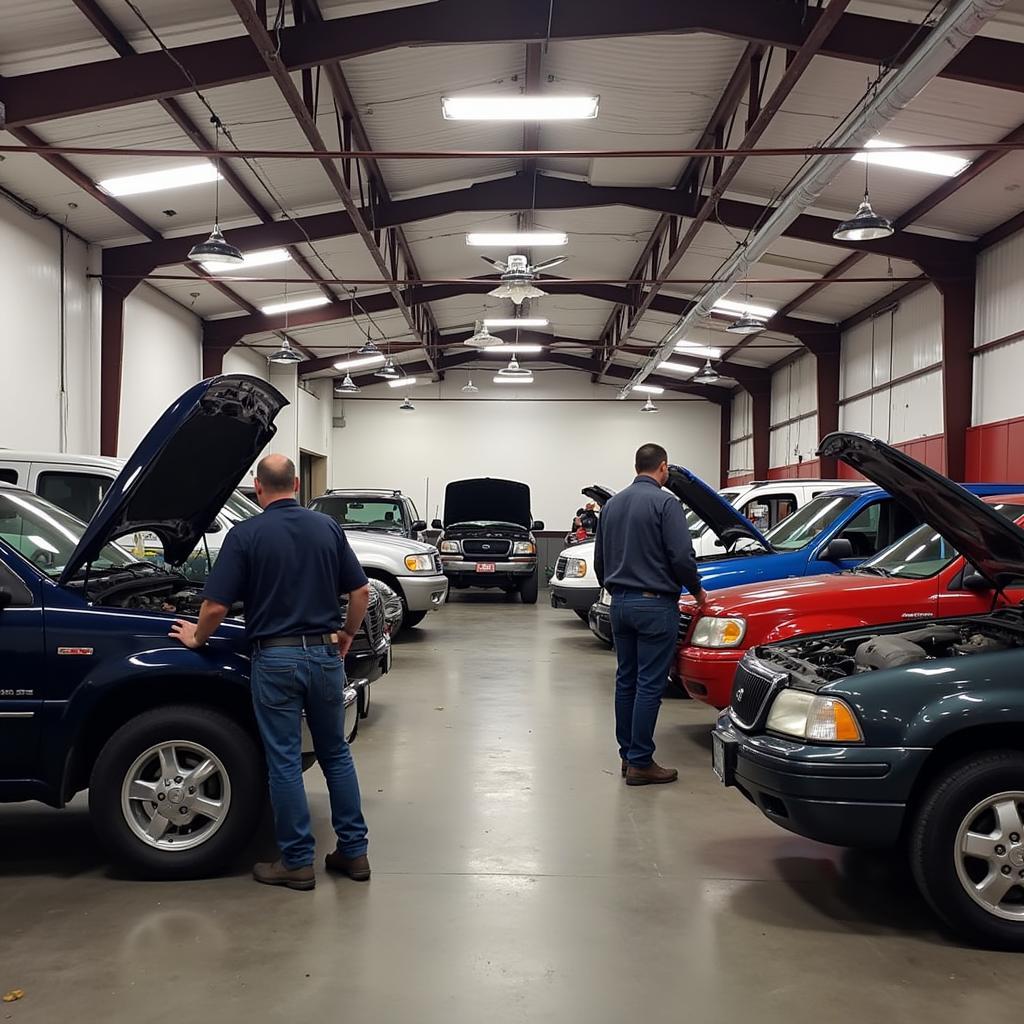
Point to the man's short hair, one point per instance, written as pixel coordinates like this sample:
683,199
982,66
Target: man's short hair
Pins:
276,473
649,457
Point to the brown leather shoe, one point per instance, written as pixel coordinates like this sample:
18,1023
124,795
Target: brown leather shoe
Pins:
357,868
652,775
303,878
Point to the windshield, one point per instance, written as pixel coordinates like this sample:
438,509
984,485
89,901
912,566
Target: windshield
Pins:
239,508
696,525
379,514
46,535
799,529
922,552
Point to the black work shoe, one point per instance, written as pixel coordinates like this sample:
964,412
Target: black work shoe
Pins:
652,775
357,868
302,879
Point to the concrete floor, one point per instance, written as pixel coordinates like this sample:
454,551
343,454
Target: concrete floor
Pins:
515,879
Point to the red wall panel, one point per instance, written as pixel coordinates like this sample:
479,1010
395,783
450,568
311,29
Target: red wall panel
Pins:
737,481
929,450
995,451
809,469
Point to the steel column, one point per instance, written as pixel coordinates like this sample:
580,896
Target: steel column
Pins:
761,426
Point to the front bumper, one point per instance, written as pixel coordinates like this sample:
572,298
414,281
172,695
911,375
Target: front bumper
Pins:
600,622
577,599
463,573
369,665
843,795
708,674
424,593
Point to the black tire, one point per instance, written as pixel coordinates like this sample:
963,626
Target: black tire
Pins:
413,619
583,616
528,589
934,853
227,741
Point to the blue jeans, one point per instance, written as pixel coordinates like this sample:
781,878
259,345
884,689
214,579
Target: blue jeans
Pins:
286,680
646,631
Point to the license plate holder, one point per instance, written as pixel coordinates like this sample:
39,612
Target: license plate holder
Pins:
486,567
723,758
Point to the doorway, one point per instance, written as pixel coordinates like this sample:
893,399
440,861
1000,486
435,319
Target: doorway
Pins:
312,476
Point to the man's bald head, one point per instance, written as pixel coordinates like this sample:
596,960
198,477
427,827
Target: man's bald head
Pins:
275,478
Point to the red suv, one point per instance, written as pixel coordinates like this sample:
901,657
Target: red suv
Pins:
919,577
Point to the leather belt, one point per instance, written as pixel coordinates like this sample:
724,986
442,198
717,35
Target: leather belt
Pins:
306,640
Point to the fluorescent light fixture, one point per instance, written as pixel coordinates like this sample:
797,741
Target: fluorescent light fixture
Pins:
692,348
157,181
678,367
513,380
512,321
251,259
730,308
402,382
941,164
500,350
352,364
511,239
649,389
292,304
518,108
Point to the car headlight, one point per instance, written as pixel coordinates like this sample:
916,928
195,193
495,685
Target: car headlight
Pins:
419,563
575,568
524,547
810,716
712,631
449,547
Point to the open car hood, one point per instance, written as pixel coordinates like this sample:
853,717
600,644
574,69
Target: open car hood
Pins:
598,494
724,521
990,542
470,501
185,468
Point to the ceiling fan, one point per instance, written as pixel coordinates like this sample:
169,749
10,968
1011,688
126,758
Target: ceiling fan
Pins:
517,276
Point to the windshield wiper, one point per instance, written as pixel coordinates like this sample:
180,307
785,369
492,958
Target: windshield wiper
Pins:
875,570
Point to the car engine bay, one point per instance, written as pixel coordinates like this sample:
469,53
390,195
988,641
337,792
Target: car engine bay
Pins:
828,658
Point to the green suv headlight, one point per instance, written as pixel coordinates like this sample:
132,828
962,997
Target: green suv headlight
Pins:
811,716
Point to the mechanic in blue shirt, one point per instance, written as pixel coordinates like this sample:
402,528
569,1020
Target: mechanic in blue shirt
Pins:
288,566
644,557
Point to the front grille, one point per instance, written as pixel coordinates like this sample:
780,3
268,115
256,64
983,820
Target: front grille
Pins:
752,689
685,622
486,549
560,565
437,563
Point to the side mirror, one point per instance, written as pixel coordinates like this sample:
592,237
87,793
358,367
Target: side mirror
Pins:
418,526
838,549
976,583
6,597
437,525
538,524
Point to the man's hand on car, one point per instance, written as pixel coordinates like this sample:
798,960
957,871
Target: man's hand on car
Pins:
701,597
185,632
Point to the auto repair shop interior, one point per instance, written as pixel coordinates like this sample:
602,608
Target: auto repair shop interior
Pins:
459,260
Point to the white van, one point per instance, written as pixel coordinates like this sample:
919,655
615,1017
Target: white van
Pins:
763,502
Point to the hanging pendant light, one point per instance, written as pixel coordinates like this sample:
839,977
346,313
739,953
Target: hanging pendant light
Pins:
286,354
864,226
369,349
747,324
707,375
216,249
347,387
515,371
469,388
407,405
388,371
649,405
483,338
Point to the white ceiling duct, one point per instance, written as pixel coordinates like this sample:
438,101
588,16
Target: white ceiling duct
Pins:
962,21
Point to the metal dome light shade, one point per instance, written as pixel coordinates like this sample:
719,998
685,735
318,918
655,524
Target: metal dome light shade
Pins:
469,388
407,405
707,375
369,349
515,371
216,249
483,338
388,371
864,226
347,387
285,354
649,406
517,291
747,324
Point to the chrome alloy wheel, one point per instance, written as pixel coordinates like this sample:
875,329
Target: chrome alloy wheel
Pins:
990,855
176,795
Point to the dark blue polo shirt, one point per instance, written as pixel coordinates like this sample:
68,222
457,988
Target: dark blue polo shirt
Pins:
287,567
643,542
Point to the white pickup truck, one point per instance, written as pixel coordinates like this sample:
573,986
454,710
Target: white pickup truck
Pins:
764,503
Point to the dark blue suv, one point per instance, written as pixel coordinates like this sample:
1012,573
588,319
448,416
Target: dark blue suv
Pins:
93,693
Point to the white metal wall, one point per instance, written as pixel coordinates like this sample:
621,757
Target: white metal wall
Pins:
794,412
884,349
999,312
741,452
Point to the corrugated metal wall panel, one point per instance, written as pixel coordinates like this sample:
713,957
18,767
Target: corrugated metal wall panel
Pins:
997,383
742,415
794,440
741,458
794,390
917,332
999,309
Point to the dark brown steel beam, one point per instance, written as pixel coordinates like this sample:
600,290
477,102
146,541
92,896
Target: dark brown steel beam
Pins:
99,85
958,299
